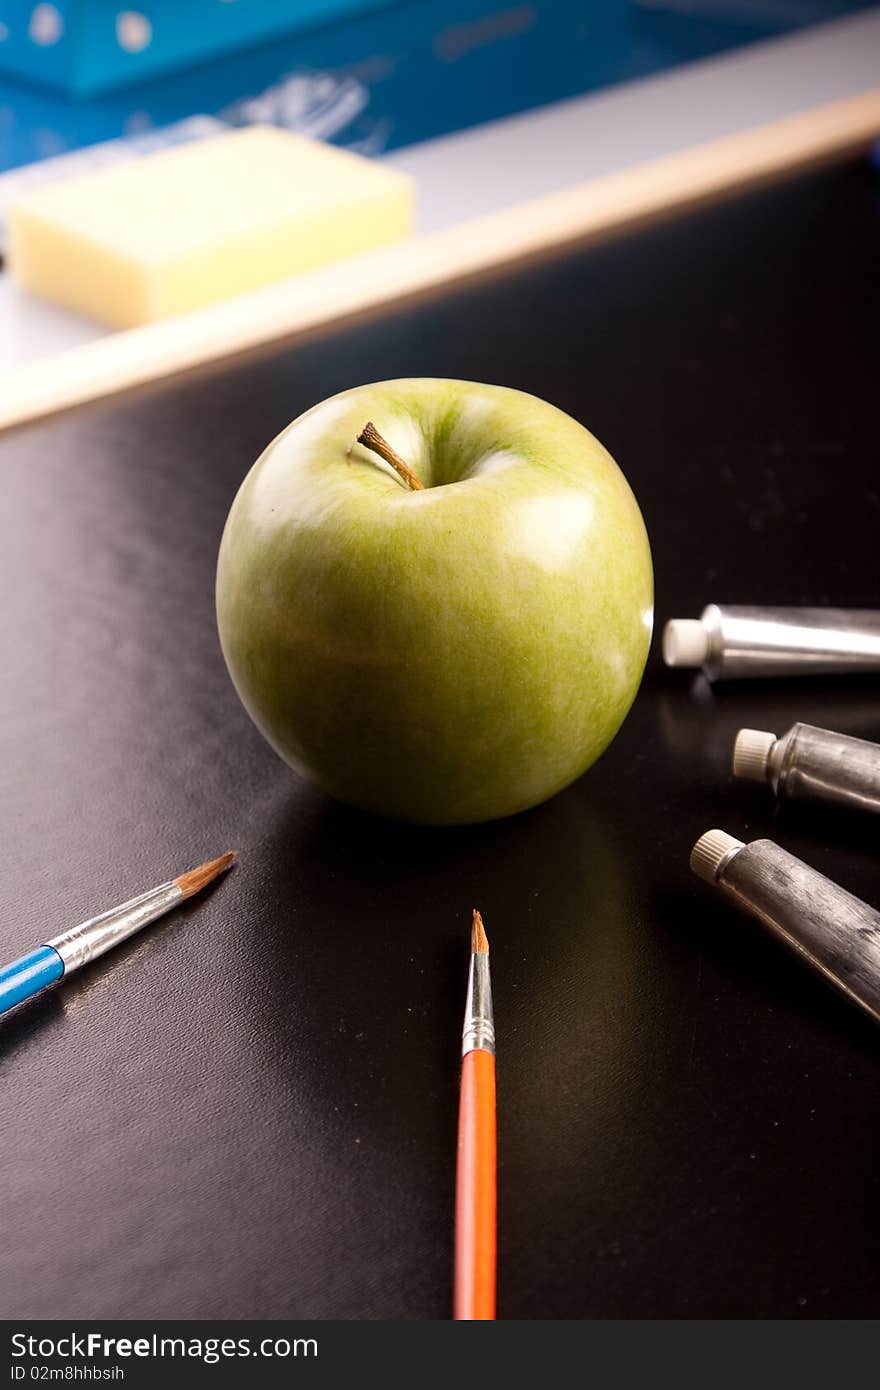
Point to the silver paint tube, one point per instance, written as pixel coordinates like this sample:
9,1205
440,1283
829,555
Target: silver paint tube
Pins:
836,933
734,643
810,763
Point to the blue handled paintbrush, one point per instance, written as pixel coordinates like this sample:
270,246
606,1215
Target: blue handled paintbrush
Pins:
63,954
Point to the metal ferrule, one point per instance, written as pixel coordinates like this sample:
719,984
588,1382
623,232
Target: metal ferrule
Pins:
836,933
479,1021
824,766
91,939
747,642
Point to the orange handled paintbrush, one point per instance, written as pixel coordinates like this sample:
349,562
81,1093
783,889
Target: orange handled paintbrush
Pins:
475,1190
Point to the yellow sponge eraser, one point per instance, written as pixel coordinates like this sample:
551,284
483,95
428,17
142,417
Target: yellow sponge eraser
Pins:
187,226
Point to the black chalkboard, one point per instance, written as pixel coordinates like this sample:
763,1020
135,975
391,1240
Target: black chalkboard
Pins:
250,1109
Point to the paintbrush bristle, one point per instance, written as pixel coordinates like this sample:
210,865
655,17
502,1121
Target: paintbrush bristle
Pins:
199,878
479,940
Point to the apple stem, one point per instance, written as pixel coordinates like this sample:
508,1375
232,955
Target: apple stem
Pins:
372,439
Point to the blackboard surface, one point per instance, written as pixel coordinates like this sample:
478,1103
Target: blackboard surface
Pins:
249,1111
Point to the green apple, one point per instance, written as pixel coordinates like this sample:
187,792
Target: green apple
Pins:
449,646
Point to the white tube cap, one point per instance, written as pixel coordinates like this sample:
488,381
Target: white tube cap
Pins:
685,642
751,754
710,852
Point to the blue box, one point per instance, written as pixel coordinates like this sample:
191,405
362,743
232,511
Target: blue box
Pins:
92,46
387,73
